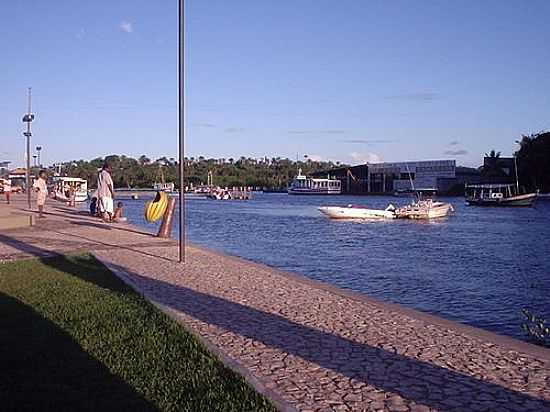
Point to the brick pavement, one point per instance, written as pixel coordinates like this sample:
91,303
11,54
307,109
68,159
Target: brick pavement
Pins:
309,346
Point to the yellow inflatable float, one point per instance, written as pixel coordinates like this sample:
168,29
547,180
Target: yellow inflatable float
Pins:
154,209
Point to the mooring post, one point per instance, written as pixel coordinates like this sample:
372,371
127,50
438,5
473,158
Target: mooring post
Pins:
165,229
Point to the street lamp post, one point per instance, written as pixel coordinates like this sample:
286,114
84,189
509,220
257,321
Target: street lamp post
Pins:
28,118
181,126
38,149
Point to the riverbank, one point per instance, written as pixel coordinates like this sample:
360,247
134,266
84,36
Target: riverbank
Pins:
306,345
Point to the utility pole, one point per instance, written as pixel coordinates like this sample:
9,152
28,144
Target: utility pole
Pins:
28,118
181,125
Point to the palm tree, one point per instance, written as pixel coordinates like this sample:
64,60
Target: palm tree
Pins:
491,166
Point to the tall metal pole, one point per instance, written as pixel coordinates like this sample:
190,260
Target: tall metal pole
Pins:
181,126
28,118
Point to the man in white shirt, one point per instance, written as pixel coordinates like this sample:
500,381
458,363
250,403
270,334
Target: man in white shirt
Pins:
41,190
105,192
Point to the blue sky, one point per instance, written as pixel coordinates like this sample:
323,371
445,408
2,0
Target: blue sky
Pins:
340,80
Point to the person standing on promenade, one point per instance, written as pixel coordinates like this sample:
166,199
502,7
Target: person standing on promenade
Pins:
105,193
7,190
41,190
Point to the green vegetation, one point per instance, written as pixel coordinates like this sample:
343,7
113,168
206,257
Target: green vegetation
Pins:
534,161
74,337
142,172
536,328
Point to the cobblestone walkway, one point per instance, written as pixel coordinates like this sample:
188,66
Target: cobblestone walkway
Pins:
313,347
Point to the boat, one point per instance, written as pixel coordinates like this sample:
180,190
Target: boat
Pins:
160,184
424,209
303,185
163,187
357,212
498,195
63,184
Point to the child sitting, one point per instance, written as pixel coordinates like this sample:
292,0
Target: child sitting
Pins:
117,215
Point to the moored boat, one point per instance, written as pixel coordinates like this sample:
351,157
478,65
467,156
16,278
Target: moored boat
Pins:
357,212
498,195
424,209
64,185
303,185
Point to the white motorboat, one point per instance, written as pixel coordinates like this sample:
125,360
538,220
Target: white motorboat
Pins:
424,209
357,212
62,186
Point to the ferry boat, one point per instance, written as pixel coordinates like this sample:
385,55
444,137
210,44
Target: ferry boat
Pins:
498,195
303,185
63,184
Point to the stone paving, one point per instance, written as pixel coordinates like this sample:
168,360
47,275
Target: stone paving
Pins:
309,346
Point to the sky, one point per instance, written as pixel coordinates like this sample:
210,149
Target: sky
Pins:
348,81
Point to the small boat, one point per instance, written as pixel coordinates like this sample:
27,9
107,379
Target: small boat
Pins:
357,212
62,186
498,195
424,209
303,185
160,184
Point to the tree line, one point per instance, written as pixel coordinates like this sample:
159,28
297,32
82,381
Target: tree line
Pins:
143,172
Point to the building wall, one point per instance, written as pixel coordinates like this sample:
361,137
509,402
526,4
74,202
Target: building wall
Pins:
390,177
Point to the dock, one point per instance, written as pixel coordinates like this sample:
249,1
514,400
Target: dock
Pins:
306,345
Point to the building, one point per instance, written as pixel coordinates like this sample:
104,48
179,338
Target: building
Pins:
428,176
4,167
403,176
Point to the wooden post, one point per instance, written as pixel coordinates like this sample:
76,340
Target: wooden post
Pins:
166,226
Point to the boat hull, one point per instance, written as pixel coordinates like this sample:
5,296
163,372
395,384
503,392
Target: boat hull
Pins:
313,192
335,212
79,197
514,201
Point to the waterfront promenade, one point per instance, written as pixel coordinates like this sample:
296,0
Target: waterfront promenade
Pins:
305,345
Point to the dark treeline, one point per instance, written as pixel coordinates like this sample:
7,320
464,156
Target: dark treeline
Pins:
144,172
534,161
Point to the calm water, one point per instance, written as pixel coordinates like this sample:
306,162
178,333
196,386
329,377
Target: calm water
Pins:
480,266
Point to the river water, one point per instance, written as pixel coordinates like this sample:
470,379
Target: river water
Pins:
480,266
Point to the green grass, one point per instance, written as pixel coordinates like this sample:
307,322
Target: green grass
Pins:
73,337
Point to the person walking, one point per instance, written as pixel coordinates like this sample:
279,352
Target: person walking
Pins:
41,190
105,192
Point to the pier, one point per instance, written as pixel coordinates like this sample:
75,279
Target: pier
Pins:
306,345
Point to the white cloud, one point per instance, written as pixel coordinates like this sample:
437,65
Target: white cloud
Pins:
81,33
126,26
314,157
364,157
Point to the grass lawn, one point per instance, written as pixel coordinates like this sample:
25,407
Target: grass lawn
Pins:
73,337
